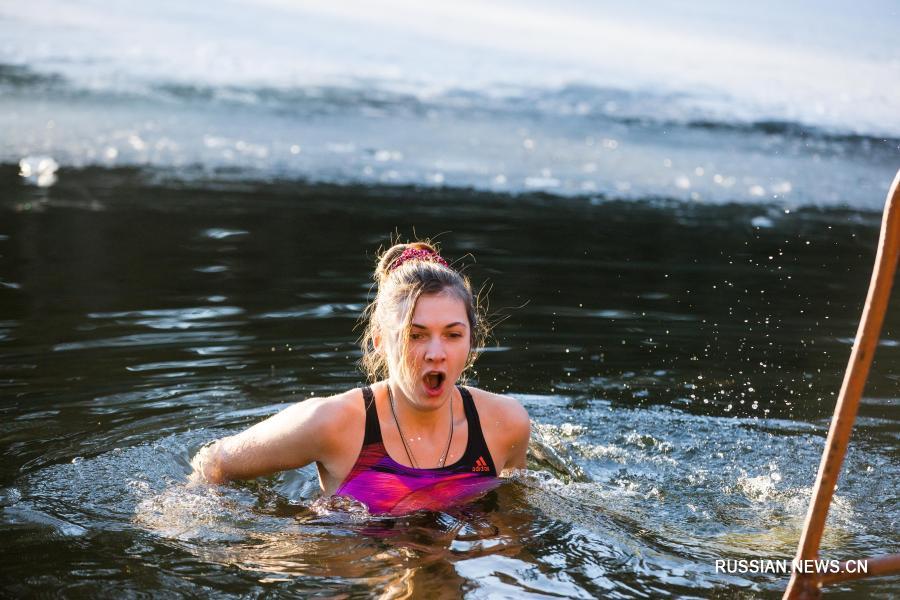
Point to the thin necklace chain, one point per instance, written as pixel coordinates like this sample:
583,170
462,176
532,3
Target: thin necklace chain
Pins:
409,454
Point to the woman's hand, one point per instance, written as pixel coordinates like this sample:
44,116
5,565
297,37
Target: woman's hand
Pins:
205,466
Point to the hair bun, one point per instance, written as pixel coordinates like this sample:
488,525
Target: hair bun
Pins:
390,256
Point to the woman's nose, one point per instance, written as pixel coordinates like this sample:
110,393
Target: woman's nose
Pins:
435,350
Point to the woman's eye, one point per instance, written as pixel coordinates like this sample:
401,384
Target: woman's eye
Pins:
416,336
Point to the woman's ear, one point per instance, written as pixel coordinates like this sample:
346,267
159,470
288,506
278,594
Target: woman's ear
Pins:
376,340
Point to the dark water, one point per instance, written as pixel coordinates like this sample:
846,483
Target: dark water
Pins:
679,360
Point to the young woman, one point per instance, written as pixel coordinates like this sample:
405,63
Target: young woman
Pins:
413,440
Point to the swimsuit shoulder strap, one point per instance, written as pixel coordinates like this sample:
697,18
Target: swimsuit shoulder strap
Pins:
373,428
476,448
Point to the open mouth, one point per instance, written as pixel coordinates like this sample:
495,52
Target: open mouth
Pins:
433,380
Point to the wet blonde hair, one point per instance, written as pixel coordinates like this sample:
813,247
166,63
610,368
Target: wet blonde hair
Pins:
398,290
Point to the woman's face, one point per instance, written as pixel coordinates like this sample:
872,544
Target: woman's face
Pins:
437,349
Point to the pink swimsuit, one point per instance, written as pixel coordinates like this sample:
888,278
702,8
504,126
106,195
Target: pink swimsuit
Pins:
387,487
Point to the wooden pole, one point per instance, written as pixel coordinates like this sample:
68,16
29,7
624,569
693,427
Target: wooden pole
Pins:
803,586
877,565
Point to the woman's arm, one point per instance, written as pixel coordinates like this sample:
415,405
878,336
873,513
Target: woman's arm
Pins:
296,436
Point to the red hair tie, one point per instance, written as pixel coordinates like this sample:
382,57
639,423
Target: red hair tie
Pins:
418,254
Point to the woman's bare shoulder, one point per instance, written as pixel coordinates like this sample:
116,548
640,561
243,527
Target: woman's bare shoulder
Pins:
349,400
491,405
336,412
319,423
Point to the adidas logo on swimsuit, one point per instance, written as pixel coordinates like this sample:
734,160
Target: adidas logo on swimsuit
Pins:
480,466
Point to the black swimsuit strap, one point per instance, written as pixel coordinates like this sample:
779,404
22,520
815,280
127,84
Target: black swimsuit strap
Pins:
373,428
476,446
